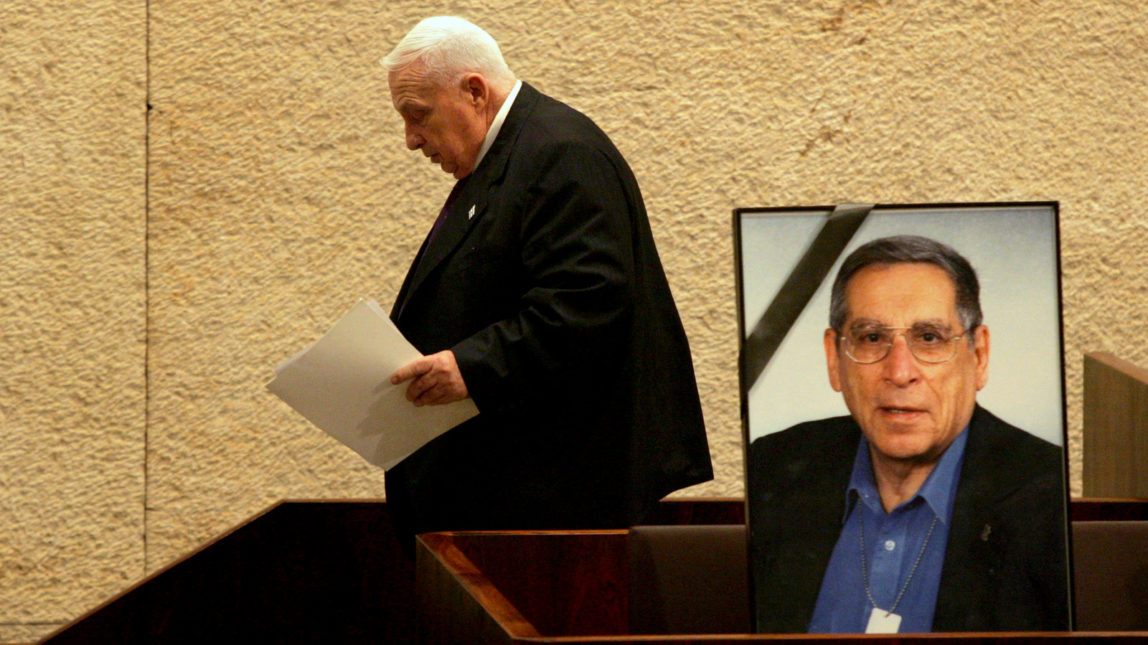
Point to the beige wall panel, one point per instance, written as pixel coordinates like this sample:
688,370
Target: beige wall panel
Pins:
72,128
268,220
25,632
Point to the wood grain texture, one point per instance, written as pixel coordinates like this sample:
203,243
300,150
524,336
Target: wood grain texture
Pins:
468,609
1115,427
333,571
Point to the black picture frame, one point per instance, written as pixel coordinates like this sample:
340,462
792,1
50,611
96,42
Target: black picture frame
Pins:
786,260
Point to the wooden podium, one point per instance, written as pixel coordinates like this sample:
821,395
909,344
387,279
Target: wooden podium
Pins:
334,572
1115,427
595,587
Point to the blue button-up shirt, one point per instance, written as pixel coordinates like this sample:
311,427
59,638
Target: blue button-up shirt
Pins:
893,541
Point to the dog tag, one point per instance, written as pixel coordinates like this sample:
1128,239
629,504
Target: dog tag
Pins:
883,622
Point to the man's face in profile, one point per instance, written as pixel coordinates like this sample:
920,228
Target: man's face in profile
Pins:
908,409
444,122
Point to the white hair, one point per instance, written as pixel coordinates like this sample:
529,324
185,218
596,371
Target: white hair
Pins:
449,47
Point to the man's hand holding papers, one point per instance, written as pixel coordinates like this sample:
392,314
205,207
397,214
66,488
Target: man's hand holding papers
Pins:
342,384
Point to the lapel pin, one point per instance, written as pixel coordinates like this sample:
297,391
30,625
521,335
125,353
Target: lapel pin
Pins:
470,215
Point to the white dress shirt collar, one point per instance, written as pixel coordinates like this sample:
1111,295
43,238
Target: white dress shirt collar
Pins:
496,125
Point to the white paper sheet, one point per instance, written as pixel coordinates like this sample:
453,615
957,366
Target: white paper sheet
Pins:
341,383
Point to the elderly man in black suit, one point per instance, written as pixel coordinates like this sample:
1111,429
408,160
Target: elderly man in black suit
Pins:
921,511
539,294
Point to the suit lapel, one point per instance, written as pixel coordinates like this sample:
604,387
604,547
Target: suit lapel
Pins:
794,561
453,230
470,205
975,538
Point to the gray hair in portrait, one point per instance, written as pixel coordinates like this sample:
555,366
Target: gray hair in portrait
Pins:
1010,250
899,249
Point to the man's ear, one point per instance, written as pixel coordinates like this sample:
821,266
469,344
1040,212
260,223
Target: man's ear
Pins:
831,359
981,354
475,87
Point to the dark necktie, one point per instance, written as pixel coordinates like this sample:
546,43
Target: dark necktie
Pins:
446,208
434,230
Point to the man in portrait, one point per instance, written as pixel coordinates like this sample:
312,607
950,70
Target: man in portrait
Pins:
540,295
921,510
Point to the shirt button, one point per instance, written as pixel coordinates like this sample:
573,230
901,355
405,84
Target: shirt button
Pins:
890,545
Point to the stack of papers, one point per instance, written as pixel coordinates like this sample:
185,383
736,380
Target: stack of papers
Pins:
341,383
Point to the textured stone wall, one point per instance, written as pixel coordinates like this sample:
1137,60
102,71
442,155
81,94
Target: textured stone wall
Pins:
156,268
72,308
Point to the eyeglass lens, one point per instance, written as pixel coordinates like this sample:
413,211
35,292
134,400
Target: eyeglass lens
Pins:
927,344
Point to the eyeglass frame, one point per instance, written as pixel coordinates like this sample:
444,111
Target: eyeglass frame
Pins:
843,339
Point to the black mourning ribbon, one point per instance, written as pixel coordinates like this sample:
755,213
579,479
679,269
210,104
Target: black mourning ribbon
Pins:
803,281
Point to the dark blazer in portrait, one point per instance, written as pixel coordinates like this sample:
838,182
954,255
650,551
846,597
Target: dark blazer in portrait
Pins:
1005,566
545,282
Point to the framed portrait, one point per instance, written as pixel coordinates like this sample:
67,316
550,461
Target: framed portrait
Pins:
905,463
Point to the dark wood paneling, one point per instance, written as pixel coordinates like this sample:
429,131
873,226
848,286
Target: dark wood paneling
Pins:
333,571
300,572
462,583
455,603
562,583
1115,427
690,511
1097,509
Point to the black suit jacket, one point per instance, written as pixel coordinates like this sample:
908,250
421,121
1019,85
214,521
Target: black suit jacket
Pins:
545,282
1005,566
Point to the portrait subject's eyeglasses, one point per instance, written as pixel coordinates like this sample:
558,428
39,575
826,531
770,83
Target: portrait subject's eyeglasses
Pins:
871,344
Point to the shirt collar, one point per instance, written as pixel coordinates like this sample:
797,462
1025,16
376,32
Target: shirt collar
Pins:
496,125
937,491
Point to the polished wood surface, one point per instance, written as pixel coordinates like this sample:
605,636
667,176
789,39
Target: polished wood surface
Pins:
533,583
459,591
698,511
1104,509
333,571
456,603
1115,427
